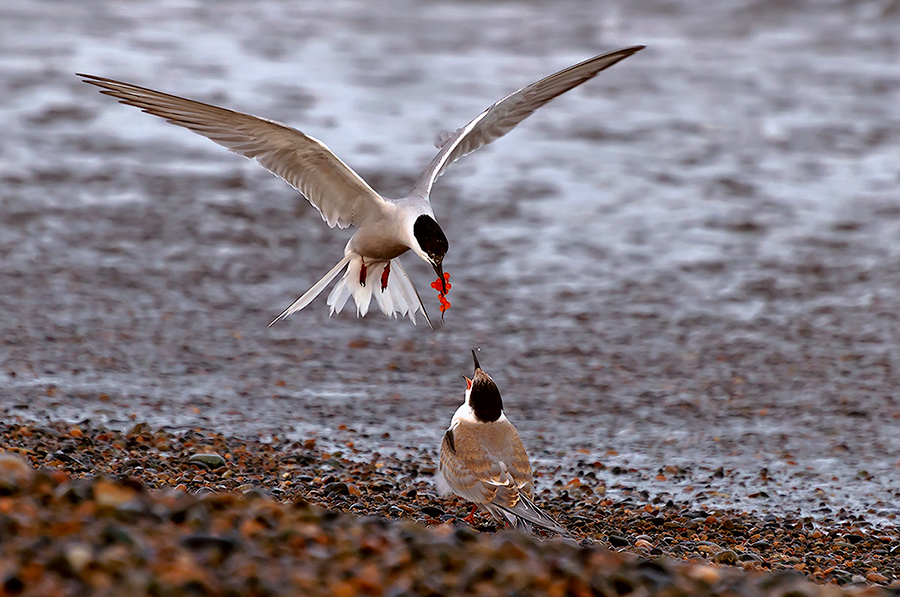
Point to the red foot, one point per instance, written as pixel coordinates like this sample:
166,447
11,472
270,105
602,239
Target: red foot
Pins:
363,273
384,276
471,517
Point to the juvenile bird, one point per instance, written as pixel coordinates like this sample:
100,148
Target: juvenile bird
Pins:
483,459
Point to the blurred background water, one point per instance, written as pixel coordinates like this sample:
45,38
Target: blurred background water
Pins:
688,264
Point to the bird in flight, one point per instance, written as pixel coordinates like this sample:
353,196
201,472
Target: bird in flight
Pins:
385,228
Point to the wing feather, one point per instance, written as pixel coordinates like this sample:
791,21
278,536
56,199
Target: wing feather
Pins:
504,115
490,467
465,467
525,509
340,194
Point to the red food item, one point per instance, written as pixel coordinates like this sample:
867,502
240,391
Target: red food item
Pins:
437,283
445,304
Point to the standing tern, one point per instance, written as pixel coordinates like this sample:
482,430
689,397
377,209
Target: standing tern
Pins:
483,459
386,228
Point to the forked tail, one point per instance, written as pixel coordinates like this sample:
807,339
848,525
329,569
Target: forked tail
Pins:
525,513
398,296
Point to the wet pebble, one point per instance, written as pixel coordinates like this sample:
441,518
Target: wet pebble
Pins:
210,461
726,557
432,511
338,488
643,544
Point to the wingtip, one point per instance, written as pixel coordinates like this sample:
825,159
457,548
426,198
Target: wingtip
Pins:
626,52
283,315
620,54
91,79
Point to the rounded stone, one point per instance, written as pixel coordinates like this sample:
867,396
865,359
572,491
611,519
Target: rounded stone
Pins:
208,460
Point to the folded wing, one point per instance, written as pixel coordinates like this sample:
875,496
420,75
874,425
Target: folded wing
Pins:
525,509
340,194
474,471
503,116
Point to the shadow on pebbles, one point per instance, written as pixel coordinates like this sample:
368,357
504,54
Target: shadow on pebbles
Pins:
86,510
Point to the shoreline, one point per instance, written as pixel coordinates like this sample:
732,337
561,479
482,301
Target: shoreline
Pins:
155,467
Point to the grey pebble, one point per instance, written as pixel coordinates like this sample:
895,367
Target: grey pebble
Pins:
617,541
726,557
209,460
337,487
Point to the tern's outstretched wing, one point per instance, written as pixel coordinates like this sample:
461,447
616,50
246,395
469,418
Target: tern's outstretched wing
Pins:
500,118
340,194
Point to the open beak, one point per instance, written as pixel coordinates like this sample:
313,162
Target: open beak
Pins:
468,382
439,270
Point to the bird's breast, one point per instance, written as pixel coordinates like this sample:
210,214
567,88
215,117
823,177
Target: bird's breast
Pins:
377,243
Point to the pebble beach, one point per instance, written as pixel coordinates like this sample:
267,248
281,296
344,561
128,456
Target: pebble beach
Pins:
87,510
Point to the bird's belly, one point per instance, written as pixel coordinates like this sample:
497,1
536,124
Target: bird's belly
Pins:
377,247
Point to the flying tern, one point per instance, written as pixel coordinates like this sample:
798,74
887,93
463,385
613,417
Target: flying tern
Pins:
483,459
386,228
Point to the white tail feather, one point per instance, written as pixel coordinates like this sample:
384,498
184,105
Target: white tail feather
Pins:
386,303
409,293
338,298
313,292
350,283
399,297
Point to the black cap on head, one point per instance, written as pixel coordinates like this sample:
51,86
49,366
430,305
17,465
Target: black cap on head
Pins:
484,397
433,242
431,238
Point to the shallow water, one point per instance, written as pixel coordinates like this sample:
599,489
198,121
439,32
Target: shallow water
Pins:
691,262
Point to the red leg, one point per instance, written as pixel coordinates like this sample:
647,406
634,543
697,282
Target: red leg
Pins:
363,273
384,276
471,517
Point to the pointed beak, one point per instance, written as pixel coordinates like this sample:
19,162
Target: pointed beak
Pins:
468,382
475,358
439,270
